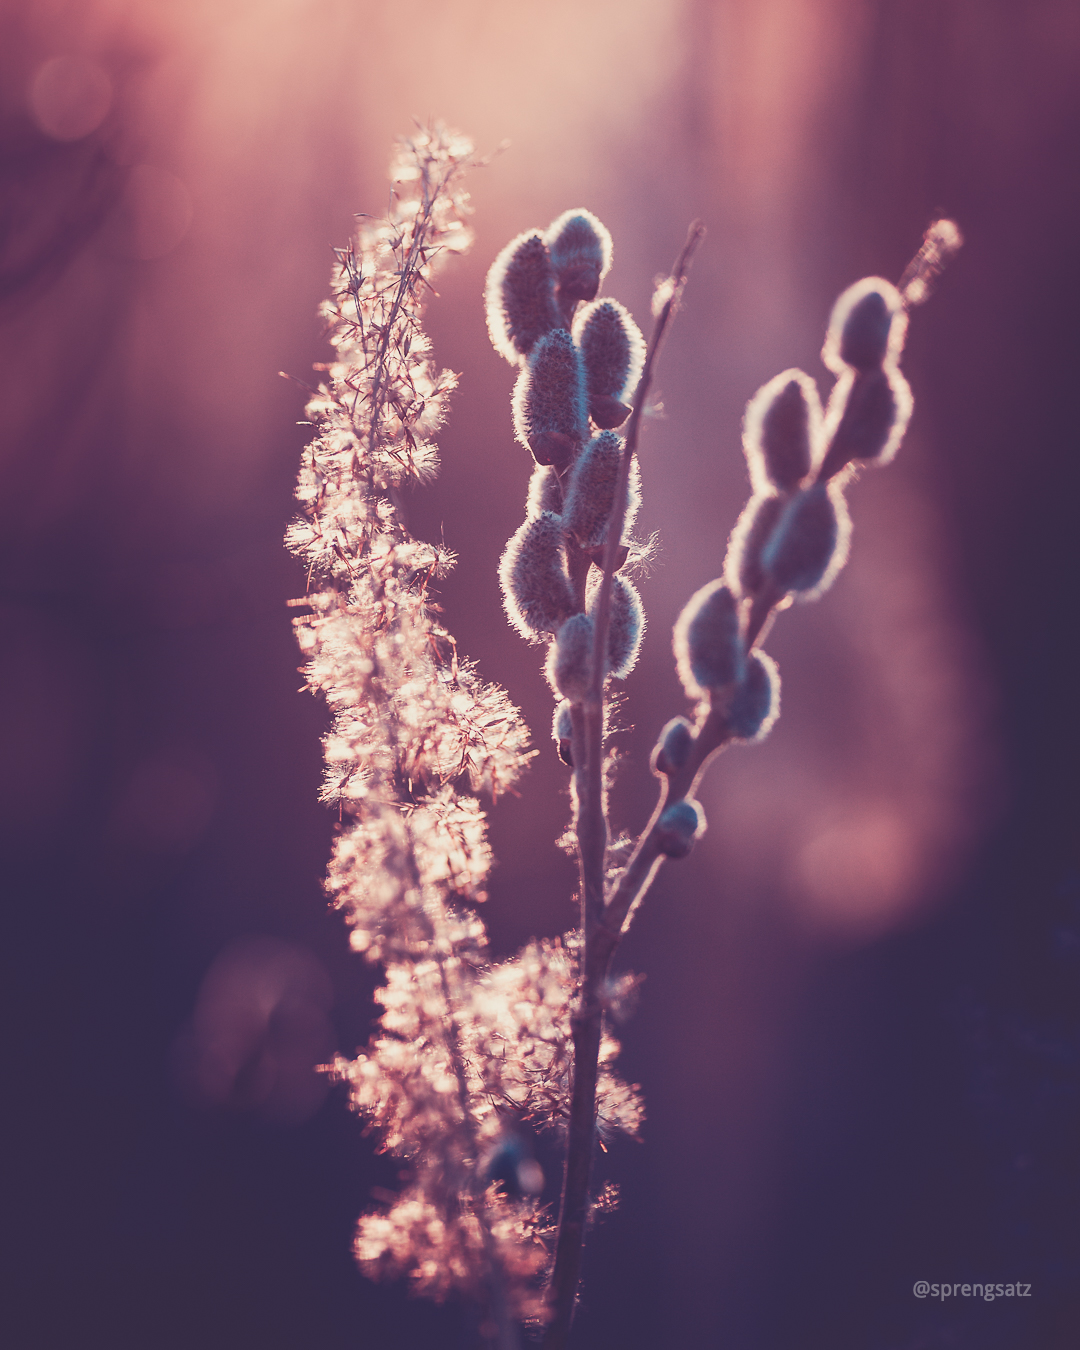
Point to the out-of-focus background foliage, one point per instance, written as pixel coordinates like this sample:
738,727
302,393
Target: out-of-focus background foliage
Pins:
859,1036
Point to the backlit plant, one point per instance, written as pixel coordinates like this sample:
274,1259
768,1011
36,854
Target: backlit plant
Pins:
468,1049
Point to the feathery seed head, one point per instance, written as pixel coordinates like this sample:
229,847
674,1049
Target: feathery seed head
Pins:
536,588
550,413
867,417
707,642
782,431
580,250
673,748
569,663
614,352
679,826
742,565
867,327
520,297
810,542
590,493
755,705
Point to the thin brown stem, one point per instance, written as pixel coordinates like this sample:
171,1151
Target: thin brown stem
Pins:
591,826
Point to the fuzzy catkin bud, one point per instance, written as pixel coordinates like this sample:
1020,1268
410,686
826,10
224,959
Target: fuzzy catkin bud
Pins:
562,732
672,750
569,664
614,353
626,626
708,647
550,414
868,415
678,827
580,250
590,493
781,431
520,297
755,705
742,565
545,492
866,328
536,588
810,542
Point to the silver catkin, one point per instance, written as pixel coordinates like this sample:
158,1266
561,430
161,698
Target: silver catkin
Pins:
591,491
782,432
743,569
536,587
520,297
809,544
679,826
707,642
550,414
580,249
613,350
755,705
569,663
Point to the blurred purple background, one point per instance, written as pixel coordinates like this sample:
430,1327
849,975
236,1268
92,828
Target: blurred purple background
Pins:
859,1036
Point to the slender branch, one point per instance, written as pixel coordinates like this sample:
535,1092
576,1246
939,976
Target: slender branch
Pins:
591,825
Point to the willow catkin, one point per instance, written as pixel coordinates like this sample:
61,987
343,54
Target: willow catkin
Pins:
809,543
613,350
550,412
536,588
707,641
590,491
520,297
580,250
782,432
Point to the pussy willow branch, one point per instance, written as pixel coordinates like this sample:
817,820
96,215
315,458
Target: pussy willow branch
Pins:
591,826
